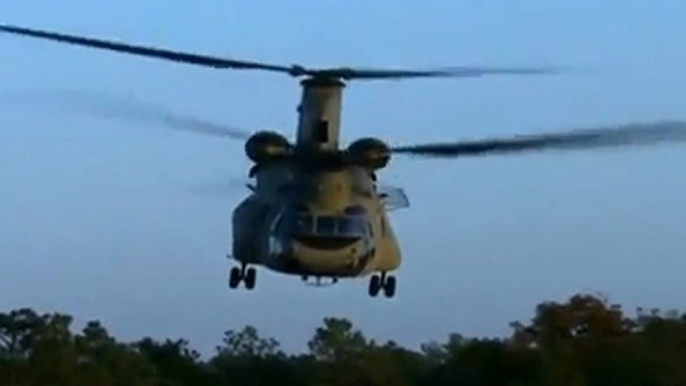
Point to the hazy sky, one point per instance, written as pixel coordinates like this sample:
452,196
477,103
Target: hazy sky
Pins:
104,220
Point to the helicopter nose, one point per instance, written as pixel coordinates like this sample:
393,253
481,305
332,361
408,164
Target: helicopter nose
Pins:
333,253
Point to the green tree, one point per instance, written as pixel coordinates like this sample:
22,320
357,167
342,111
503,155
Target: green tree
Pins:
42,350
16,341
473,362
588,341
248,343
346,357
585,341
245,358
175,363
52,355
104,361
36,349
337,341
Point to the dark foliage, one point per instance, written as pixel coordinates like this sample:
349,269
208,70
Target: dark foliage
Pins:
582,342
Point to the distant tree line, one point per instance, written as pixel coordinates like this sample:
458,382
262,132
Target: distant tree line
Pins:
584,341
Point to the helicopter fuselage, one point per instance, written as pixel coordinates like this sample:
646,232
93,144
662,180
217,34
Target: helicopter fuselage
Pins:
315,210
322,224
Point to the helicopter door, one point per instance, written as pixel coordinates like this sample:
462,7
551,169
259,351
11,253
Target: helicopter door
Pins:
276,242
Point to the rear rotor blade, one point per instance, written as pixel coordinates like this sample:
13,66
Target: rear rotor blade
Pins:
625,135
347,73
151,52
106,106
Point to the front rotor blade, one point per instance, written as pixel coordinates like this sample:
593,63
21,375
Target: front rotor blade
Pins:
151,52
224,188
106,106
140,112
625,135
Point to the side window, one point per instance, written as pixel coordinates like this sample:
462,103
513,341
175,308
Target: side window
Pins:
326,225
303,224
322,131
276,220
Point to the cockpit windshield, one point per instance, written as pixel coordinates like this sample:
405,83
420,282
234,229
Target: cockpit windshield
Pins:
352,225
347,225
326,225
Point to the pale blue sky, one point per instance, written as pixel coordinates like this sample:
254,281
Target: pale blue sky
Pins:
102,221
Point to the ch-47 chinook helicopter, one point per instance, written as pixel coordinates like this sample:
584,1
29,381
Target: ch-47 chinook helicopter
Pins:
315,209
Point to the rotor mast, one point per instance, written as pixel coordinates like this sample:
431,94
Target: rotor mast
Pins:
319,113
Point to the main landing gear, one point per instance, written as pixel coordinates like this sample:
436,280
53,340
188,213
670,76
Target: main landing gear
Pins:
242,274
380,282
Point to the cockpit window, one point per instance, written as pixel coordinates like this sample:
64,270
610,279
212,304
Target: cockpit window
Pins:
326,225
299,222
351,226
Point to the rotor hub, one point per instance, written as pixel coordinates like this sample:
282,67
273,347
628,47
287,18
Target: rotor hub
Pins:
322,81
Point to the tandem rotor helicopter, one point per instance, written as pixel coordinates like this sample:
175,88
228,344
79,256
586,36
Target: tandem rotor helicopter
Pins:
316,209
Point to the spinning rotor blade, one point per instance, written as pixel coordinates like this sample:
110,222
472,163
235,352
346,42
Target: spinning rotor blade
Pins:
625,135
293,70
224,188
106,106
152,52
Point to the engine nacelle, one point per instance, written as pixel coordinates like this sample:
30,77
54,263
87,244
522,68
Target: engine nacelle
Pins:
369,153
267,145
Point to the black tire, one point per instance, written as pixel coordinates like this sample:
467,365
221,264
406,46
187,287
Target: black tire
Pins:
234,277
250,278
389,286
374,285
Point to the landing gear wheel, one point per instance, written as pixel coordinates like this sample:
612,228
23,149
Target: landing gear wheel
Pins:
389,287
250,277
242,274
235,277
382,282
374,285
